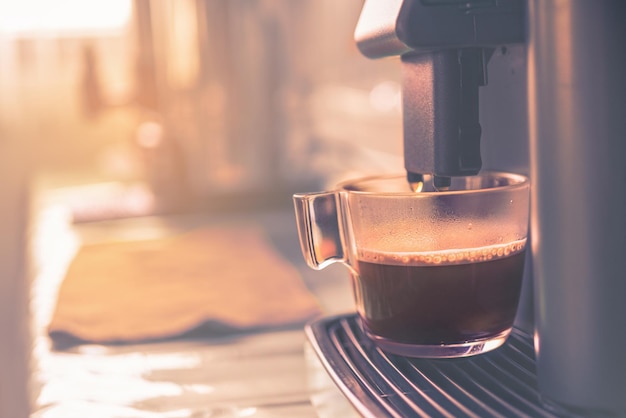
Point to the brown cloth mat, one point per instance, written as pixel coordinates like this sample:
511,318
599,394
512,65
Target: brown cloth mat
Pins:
145,290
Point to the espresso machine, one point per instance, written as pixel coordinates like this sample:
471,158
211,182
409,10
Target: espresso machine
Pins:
567,359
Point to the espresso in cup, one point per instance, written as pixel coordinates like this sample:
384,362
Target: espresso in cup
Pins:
444,297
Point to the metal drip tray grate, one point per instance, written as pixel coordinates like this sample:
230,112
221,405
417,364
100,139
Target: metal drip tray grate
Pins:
499,383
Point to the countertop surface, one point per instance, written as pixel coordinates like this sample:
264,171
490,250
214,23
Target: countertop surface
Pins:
257,374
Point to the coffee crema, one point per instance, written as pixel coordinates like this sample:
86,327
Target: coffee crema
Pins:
443,297
433,258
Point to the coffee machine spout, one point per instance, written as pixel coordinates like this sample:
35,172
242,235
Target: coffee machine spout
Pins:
444,49
440,104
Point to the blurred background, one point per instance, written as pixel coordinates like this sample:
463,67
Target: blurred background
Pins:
184,103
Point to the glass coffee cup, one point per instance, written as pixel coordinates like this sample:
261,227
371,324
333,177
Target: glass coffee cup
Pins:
435,273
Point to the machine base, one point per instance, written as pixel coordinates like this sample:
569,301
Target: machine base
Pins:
499,383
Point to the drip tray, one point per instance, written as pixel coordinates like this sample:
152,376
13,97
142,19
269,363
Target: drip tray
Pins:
498,383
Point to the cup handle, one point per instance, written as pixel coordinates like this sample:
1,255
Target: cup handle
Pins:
319,220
